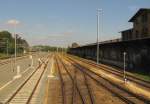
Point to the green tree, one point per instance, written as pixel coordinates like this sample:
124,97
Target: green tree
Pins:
7,40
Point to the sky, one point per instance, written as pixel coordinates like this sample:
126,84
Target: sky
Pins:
62,22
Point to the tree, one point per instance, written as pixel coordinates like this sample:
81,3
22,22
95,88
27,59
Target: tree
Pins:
5,34
7,41
75,45
47,48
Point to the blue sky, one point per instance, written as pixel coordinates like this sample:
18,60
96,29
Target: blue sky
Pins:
61,22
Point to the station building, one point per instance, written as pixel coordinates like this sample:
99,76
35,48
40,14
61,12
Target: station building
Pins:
141,26
135,42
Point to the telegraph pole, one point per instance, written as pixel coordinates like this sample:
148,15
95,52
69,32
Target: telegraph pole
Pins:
98,12
15,43
14,23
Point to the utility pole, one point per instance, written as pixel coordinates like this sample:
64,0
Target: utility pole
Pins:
15,43
14,23
98,12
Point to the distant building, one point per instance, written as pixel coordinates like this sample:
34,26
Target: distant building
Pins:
141,26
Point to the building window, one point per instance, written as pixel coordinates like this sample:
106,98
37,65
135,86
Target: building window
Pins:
145,31
136,21
144,18
130,36
124,36
137,34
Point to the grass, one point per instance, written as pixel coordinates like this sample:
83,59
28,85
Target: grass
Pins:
3,56
143,76
138,74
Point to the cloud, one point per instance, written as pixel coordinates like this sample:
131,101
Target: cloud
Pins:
13,22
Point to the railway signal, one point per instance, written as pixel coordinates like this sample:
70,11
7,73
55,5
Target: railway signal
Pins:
124,69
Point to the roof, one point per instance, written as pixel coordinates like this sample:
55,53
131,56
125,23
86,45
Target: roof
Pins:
139,12
126,30
116,42
102,42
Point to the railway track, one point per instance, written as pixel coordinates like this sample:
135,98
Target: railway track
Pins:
80,83
123,94
64,85
75,88
118,73
25,92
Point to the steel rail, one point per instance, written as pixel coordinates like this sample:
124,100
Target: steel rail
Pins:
74,83
117,86
20,87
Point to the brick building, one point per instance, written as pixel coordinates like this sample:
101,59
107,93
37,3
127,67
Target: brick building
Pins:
141,26
135,42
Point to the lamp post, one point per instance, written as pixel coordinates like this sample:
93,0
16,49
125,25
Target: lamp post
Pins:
14,23
15,42
124,69
98,12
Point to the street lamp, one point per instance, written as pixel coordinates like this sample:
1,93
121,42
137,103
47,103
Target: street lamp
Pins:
15,42
124,69
14,23
98,12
